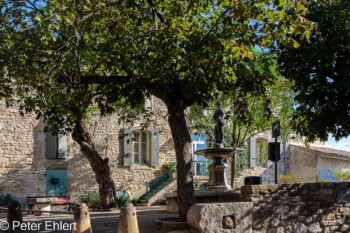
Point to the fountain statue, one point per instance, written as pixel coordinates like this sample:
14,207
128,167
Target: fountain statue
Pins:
219,126
218,170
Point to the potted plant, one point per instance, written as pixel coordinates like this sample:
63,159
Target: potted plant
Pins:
170,168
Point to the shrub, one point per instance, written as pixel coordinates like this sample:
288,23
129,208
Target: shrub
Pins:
285,179
322,181
136,200
342,175
5,200
170,167
92,199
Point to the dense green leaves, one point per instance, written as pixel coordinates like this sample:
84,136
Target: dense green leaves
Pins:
320,68
169,48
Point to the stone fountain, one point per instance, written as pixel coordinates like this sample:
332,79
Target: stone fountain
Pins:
218,170
219,189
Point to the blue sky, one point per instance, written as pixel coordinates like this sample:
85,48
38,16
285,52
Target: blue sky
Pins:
343,144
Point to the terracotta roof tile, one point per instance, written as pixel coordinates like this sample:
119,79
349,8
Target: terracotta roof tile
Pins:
326,150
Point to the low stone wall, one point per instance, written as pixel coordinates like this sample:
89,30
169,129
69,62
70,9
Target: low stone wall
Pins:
312,207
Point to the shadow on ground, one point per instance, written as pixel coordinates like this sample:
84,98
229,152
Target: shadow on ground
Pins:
104,222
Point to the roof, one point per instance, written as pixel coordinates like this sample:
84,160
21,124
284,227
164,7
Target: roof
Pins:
326,151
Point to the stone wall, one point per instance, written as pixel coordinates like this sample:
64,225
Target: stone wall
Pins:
22,154
312,207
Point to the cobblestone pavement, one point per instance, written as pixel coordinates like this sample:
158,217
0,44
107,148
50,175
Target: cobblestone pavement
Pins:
104,222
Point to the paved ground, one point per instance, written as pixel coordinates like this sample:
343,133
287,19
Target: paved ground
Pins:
104,222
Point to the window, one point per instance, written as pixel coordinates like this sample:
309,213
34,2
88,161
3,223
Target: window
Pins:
257,148
56,146
200,163
141,147
261,153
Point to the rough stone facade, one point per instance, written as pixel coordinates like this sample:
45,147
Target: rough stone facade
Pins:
311,207
23,163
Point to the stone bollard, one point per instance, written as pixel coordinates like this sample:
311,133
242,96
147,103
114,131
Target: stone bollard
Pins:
14,214
128,220
81,219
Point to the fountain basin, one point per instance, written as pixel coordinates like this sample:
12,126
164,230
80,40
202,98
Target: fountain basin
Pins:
217,153
218,171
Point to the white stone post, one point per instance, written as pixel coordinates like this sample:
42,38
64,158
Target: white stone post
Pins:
128,220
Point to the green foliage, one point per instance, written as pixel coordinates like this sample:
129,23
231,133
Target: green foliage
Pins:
286,179
262,151
321,181
242,160
92,199
182,49
136,200
342,175
5,200
320,68
170,167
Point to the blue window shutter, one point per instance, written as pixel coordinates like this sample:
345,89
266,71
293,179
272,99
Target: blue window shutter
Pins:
252,151
62,146
127,147
51,146
154,148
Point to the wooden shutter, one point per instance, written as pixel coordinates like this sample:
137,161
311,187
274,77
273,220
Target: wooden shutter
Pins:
154,148
51,146
62,146
127,147
252,151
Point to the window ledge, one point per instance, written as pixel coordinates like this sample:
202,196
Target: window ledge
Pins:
141,167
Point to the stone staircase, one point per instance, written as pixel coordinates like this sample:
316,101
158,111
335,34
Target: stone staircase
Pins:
156,189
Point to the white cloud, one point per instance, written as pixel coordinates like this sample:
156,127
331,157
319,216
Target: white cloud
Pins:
340,145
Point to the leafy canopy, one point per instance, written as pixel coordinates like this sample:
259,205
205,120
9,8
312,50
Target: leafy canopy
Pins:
179,51
321,71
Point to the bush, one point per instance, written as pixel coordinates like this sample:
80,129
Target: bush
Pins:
170,167
5,200
136,200
342,175
285,179
92,199
322,181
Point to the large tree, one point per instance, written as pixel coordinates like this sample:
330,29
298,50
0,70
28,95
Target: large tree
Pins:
320,68
65,56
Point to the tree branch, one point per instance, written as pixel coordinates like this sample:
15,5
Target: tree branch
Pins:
96,79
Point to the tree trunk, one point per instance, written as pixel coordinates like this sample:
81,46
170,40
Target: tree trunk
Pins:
183,148
99,165
233,170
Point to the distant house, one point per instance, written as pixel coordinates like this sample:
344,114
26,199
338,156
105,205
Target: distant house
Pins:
316,163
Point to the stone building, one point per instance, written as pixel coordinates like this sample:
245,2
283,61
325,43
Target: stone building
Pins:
35,163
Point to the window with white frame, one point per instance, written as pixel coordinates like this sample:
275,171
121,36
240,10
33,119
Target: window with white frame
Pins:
140,147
